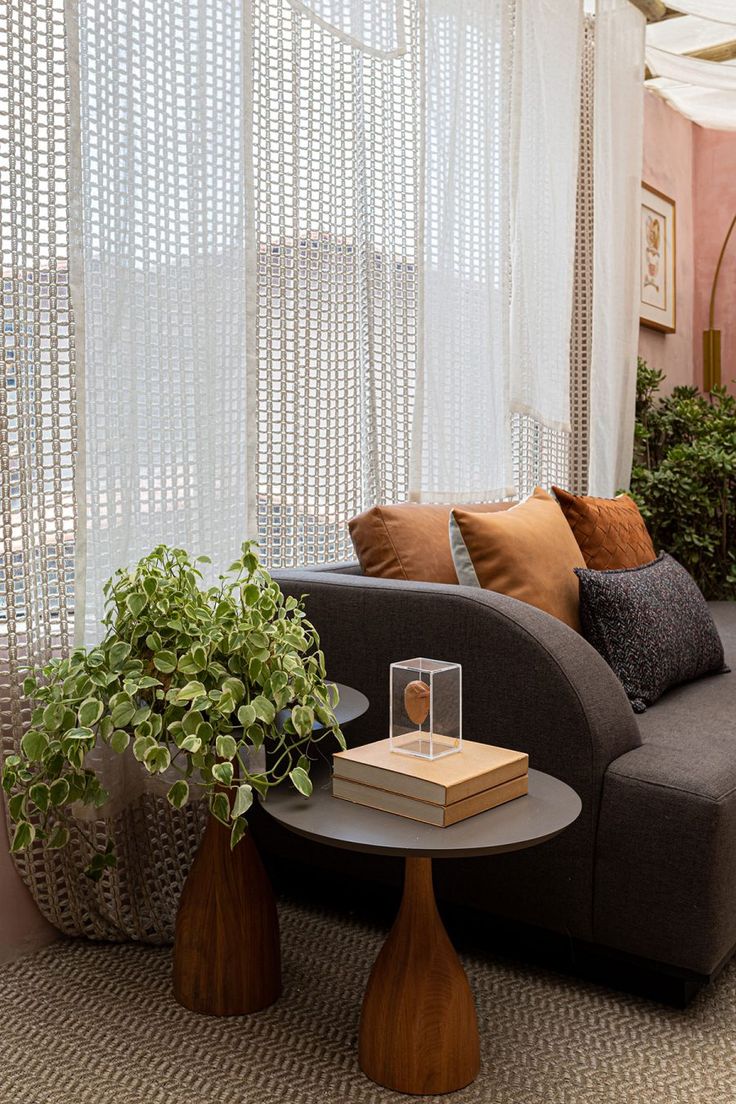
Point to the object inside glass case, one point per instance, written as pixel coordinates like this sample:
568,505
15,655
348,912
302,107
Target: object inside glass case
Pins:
426,708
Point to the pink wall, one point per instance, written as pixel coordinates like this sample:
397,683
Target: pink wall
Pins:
668,166
714,201
697,168
22,928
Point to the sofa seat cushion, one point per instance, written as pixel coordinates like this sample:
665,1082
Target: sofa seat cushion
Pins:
665,866
689,735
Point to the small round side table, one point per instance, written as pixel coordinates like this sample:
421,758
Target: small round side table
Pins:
418,1027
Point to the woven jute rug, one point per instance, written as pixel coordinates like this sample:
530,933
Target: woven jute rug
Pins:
86,1023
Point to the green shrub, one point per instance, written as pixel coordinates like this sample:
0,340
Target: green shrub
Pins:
684,478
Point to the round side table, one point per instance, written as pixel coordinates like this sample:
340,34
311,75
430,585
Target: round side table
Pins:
418,1027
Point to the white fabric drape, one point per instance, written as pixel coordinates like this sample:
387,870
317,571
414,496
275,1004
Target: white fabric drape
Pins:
372,146
719,11
688,34
375,27
689,70
336,160
167,423
581,336
715,110
500,164
544,165
703,91
41,406
38,396
461,444
618,135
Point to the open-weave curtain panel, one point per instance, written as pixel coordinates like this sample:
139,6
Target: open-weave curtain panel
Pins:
265,264
37,395
124,128
581,336
336,139
164,136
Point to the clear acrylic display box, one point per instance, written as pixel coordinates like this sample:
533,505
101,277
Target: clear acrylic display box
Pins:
426,708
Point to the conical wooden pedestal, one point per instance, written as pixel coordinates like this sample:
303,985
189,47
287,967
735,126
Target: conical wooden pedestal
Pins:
418,1028
227,959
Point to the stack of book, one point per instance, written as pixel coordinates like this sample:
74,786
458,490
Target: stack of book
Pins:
435,791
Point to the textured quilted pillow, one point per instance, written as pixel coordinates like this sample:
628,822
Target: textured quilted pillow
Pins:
610,531
652,626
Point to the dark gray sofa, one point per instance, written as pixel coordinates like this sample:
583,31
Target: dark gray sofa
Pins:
649,869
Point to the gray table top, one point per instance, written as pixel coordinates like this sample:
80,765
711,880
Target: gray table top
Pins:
548,808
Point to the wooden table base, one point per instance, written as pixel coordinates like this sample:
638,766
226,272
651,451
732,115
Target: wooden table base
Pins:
227,959
418,1028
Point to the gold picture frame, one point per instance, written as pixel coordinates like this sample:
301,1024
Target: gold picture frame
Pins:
657,264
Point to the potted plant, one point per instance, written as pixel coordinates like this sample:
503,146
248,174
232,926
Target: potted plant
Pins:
220,690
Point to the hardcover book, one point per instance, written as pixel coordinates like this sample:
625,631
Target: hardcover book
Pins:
444,781
440,815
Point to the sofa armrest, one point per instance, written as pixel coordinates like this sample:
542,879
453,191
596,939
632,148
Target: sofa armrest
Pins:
529,681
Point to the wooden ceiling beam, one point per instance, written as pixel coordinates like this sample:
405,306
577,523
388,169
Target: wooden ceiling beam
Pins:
654,10
724,51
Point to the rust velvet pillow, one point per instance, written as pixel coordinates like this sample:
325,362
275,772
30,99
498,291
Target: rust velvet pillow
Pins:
610,531
527,552
408,541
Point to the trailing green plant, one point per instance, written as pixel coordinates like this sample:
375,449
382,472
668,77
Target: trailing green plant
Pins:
684,477
186,679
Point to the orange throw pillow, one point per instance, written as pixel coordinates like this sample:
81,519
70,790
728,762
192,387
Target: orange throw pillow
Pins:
528,552
610,531
408,541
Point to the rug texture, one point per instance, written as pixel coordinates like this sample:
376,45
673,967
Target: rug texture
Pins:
86,1023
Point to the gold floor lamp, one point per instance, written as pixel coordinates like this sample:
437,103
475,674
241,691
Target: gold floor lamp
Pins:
712,337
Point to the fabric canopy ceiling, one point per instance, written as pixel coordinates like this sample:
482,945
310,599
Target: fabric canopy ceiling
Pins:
691,61
690,70
719,10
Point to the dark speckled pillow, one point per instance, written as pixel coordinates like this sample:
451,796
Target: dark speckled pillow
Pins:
652,626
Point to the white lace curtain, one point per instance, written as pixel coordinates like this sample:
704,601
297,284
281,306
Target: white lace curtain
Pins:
303,241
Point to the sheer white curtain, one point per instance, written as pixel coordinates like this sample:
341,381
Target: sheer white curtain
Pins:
544,166
167,422
501,132
461,446
618,130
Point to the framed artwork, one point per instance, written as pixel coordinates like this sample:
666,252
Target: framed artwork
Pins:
657,263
